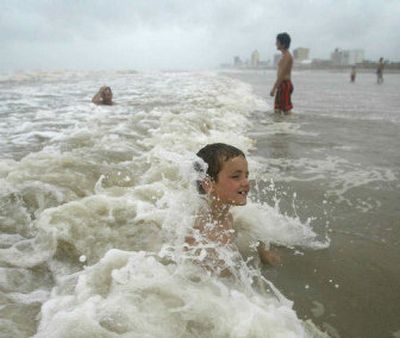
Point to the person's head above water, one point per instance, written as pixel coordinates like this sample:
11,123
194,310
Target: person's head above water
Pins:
283,41
107,95
227,173
103,96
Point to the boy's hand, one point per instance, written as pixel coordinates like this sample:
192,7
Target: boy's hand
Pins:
269,257
272,92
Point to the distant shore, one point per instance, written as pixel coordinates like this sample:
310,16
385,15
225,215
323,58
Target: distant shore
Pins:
338,69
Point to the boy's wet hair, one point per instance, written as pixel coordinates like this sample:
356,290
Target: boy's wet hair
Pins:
284,39
215,155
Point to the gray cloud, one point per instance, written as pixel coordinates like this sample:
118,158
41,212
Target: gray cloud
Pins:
145,34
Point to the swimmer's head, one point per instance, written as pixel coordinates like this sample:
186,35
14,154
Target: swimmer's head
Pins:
107,95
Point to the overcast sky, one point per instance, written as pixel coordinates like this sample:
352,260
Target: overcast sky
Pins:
186,34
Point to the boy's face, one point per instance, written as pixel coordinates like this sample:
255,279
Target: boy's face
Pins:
279,45
232,186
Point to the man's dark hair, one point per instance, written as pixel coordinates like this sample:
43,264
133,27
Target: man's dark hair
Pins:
215,155
284,39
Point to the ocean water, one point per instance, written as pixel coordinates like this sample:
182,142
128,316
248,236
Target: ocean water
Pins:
95,202
339,155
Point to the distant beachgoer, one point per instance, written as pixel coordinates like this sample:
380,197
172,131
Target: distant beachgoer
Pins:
283,87
103,96
226,184
353,74
379,71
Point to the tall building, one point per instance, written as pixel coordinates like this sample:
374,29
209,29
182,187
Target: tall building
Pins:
255,58
347,57
356,56
337,57
301,54
237,62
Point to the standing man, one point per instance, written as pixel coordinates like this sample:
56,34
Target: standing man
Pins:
379,71
283,88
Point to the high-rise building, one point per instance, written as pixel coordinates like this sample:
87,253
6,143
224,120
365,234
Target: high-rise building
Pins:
355,56
301,54
237,62
347,57
337,57
255,58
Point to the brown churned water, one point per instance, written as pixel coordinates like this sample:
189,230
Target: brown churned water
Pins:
339,154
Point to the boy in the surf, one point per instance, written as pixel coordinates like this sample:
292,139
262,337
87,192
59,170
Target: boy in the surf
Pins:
283,87
225,184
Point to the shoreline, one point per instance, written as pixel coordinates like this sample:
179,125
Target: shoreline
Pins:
336,69
316,69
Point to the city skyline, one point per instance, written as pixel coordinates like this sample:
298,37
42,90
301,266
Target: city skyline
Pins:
337,57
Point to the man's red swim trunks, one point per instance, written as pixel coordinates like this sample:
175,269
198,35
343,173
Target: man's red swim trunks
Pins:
282,96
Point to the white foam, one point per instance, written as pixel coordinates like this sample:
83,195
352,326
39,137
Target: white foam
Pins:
122,177
136,295
342,175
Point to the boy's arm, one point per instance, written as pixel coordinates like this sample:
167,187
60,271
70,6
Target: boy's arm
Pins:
267,256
